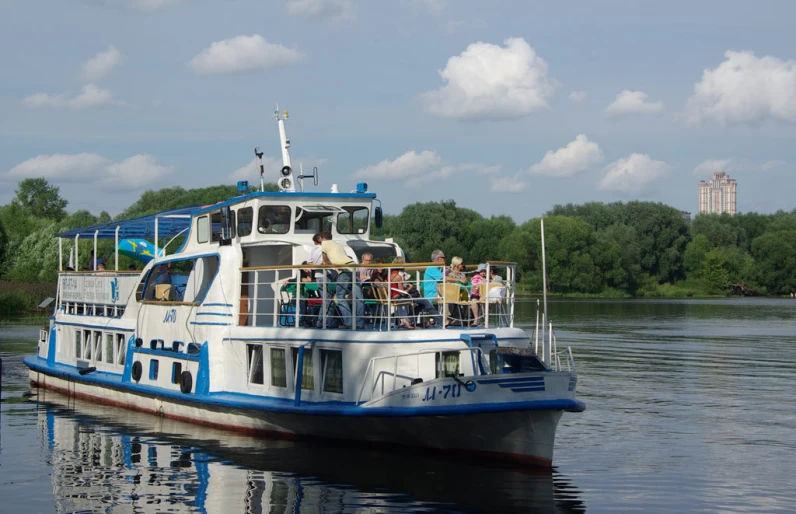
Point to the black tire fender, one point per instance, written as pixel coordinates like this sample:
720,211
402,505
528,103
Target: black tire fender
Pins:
138,368
186,382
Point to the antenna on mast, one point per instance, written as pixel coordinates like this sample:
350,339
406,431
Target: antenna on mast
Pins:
259,155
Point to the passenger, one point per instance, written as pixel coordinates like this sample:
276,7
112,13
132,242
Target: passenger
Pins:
433,276
479,277
100,266
399,290
163,275
420,303
494,277
364,273
346,284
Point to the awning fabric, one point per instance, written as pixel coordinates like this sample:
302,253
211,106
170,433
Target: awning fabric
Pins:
142,227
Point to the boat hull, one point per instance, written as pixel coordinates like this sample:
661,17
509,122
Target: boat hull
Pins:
520,436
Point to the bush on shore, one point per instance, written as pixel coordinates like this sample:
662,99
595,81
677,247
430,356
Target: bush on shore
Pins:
23,297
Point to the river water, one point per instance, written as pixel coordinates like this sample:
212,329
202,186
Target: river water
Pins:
691,407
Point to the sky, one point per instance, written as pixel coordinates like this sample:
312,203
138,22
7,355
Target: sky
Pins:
505,107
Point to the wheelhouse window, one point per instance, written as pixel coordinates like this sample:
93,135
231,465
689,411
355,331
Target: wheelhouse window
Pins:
311,219
202,229
354,220
273,219
216,226
245,221
332,368
179,280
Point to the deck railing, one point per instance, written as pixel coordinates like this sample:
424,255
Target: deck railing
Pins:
278,296
95,293
392,372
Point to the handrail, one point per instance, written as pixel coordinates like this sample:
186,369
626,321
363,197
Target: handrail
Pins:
476,354
276,296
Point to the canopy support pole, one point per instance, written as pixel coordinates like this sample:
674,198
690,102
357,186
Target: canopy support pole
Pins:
116,251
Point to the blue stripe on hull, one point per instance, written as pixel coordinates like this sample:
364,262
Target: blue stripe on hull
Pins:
255,403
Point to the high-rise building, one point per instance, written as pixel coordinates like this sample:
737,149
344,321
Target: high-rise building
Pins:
718,195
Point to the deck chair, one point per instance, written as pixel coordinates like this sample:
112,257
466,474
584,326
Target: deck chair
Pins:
163,292
458,307
496,297
395,308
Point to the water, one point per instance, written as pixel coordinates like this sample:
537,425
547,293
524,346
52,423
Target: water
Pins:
691,407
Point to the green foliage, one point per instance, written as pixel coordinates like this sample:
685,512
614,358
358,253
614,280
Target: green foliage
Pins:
35,258
19,298
40,199
714,272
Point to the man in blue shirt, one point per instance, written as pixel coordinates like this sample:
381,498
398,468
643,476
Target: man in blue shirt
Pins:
433,276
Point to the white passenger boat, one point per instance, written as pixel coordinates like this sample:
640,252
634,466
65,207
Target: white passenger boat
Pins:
234,338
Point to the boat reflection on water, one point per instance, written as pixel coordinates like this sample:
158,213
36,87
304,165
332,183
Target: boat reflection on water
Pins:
112,459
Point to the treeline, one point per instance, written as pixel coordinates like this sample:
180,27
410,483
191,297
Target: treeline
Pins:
618,249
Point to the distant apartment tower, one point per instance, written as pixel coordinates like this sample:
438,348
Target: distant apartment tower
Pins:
718,195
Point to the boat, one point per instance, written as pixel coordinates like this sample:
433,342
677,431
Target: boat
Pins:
227,331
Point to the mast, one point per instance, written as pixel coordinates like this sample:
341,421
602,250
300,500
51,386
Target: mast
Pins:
286,182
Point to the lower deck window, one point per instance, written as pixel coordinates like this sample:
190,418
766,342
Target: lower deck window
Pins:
254,354
447,364
307,381
332,366
278,377
153,369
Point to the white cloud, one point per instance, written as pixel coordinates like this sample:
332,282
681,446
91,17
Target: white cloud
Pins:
242,54
577,96
745,89
133,172
446,172
513,184
332,10
487,81
770,165
632,174
89,97
82,166
102,63
577,156
632,102
407,165
710,166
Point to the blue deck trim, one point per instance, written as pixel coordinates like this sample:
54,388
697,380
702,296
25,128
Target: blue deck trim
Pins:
217,305
214,314
163,352
210,323
264,404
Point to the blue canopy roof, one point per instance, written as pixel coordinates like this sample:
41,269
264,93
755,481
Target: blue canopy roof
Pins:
142,227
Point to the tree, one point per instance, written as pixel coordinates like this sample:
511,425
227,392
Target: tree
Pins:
714,273
40,199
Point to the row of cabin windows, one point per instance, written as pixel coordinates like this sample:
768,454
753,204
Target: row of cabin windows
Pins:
277,219
98,346
331,367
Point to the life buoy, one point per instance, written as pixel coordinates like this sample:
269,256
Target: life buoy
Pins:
186,382
138,368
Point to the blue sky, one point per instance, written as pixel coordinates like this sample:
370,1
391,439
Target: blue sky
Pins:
505,107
